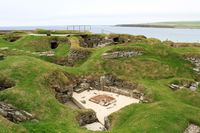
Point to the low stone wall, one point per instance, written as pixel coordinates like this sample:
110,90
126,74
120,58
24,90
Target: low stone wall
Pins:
86,117
191,85
194,59
107,123
111,84
61,85
130,93
120,54
93,41
77,54
13,114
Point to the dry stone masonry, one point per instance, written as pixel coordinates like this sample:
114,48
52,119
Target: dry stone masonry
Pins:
13,114
77,54
87,117
93,41
63,89
111,84
120,54
191,85
195,60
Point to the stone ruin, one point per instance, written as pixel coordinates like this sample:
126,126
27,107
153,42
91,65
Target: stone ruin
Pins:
192,129
54,44
59,83
6,83
121,54
98,40
191,85
46,53
13,114
74,56
87,117
194,59
93,41
111,84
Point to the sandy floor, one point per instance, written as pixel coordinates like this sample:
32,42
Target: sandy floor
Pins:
95,126
103,111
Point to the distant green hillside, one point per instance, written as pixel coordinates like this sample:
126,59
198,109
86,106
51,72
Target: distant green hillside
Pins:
177,24
180,24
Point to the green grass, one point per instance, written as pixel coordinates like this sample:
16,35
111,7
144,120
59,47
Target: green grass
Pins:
168,111
43,31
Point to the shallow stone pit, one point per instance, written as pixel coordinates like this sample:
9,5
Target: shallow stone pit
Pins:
103,100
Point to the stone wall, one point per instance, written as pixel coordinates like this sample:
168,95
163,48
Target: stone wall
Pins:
120,54
77,54
195,59
111,84
13,114
74,56
93,41
86,117
191,85
61,85
107,123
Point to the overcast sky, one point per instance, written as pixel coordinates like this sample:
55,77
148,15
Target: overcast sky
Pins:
95,12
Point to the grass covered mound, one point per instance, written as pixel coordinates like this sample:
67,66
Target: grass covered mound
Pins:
49,32
160,64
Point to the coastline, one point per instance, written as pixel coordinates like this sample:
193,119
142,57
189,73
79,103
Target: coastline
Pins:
154,26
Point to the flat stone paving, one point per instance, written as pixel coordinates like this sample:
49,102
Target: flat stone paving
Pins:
95,127
103,111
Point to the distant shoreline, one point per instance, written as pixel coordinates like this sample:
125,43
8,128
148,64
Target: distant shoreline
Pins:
143,25
155,26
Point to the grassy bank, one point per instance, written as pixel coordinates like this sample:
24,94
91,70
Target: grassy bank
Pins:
160,64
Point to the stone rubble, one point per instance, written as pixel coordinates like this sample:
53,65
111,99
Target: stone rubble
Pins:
13,114
58,81
63,93
94,41
47,53
87,117
196,61
120,54
192,86
192,129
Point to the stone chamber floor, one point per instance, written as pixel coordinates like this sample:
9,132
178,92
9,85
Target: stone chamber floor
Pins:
83,100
